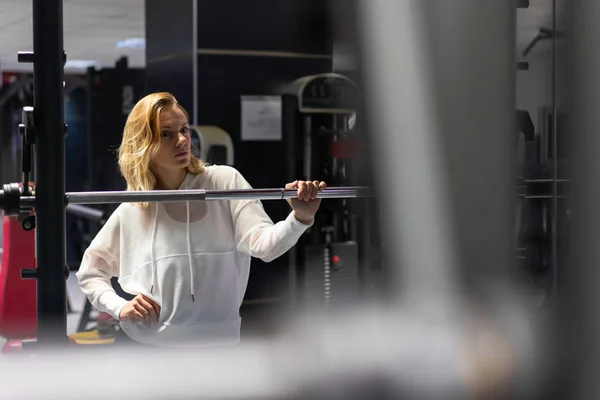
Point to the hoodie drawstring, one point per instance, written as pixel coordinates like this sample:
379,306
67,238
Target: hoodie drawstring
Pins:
189,248
152,256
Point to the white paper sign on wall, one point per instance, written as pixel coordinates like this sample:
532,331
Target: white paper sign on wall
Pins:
261,118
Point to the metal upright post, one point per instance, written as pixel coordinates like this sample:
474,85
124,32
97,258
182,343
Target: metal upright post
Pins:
307,146
440,82
89,119
579,296
442,101
555,130
48,70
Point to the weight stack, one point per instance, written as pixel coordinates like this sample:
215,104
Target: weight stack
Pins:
331,277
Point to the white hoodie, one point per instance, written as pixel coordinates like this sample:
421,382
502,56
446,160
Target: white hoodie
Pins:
191,258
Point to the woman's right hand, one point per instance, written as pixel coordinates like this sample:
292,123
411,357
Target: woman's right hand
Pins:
141,308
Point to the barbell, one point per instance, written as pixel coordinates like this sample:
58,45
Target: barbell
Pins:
13,200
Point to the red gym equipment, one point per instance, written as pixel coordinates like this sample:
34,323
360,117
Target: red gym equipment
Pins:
17,295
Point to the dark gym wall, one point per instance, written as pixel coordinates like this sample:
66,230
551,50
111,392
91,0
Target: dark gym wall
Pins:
76,171
170,49
243,48
115,91
298,26
346,55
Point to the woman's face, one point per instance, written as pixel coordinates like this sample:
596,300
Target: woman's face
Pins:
175,141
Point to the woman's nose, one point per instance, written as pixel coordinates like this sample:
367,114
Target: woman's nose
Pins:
181,139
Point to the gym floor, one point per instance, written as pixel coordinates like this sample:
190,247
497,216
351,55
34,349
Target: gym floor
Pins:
77,301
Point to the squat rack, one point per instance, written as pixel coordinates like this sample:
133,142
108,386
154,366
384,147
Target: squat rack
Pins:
48,129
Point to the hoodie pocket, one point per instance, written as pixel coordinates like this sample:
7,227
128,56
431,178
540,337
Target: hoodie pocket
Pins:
206,291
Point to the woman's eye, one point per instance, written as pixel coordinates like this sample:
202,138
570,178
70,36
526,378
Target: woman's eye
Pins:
165,134
185,130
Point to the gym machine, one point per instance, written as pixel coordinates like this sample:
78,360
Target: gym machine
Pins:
545,198
212,144
329,264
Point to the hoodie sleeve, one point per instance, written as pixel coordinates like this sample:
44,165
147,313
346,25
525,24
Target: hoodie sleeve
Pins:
255,232
99,264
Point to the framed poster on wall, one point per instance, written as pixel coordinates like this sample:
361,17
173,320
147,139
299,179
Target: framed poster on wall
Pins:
261,118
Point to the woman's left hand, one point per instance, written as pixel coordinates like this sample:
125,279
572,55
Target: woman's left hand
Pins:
306,205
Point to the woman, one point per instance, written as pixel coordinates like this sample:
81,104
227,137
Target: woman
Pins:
187,263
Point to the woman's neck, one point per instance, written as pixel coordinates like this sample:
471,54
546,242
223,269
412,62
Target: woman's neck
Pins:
169,179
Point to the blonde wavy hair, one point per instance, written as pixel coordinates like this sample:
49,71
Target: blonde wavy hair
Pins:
141,141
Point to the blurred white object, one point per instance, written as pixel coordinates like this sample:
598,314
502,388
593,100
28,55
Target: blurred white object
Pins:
210,137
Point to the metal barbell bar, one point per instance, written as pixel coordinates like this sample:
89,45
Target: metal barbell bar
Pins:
106,197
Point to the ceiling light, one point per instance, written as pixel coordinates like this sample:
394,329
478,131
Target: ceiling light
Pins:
80,63
132,43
